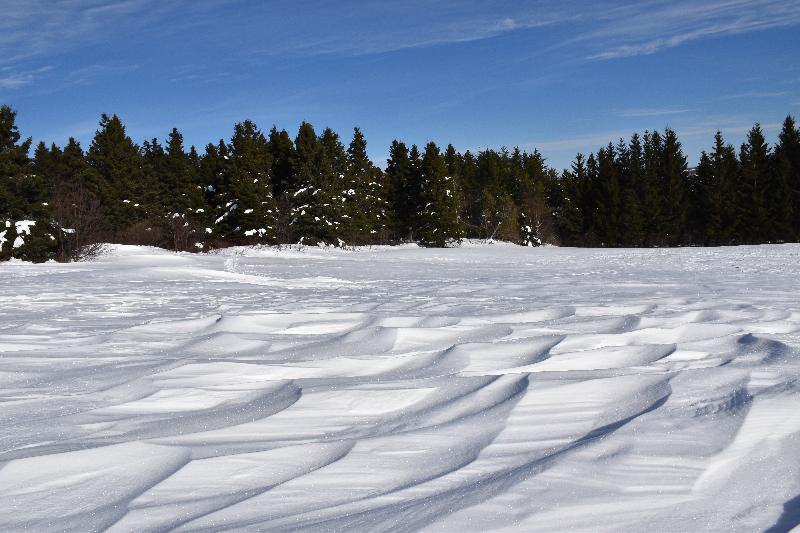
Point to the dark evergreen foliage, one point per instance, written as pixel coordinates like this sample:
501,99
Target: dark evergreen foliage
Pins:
259,188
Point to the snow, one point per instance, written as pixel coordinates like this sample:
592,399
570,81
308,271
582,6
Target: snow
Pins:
23,227
485,387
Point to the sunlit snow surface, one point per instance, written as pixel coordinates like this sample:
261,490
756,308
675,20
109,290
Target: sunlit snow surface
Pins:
483,388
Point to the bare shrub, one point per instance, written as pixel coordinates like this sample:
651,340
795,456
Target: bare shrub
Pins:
80,218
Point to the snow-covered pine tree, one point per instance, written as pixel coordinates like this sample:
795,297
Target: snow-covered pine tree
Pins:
26,229
183,206
439,214
364,198
211,176
318,172
249,212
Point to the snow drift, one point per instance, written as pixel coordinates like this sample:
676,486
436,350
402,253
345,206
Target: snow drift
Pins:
473,389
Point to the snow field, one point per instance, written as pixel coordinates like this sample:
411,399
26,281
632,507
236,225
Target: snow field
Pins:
490,387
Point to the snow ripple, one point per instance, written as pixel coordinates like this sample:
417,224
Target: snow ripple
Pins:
475,389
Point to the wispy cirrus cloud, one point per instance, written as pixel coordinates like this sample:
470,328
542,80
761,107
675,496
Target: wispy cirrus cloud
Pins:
91,73
755,94
598,30
649,27
652,112
362,28
35,27
13,79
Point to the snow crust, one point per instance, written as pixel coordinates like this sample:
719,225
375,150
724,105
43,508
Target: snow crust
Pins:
488,387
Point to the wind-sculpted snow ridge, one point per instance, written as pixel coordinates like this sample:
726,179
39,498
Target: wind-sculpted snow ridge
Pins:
473,389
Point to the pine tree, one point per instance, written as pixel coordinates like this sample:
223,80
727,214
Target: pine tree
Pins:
402,199
212,174
76,205
250,209
787,168
116,167
590,201
536,195
633,219
675,169
571,215
439,220
283,158
185,208
720,192
701,220
14,165
317,167
157,197
609,197
364,200
652,189
754,179
495,201
470,192
26,231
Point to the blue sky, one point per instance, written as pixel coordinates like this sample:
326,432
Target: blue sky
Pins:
561,76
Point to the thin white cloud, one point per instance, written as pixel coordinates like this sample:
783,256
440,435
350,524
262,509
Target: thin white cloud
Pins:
652,112
11,79
14,81
600,30
91,73
756,94
33,28
649,27
366,29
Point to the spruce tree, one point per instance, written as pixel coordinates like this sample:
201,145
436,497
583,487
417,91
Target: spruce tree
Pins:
535,197
590,201
439,220
26,230
185,215
653,189
250,209
787,168
609,197
314,215
494,200
283,158
675,168
754,182
212,173
77,206
470,192
633,219
721,194
571,215
157,197
116,167
402,199
365,199
701,220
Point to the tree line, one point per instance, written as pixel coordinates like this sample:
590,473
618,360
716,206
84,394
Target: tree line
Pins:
262,187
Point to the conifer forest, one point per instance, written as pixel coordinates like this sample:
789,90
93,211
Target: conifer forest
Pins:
311,188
